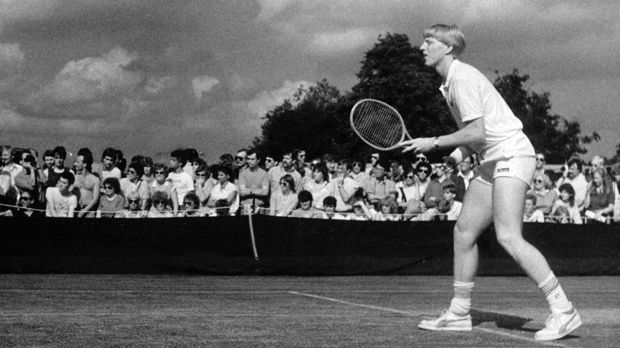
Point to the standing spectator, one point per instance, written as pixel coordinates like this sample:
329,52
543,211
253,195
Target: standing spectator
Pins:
239,164
48,163
60,155
573,175
61,202
319,186
544,195
451,170
8,194
112,202
108,165
299,162
88,184
270,162
133,183
566,203
253,183
449,207
160,184
285,167
181,181
224,189
305,209
8,165
284,200
28,178
530,213
600,199
540,164
330,162
344,187
378,186
466,170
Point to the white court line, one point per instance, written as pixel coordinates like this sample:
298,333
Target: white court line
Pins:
386,309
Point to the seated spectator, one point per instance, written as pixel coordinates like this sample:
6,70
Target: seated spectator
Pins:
573,175
133,211
48,163
600,199
8,194
565,207
111,202
434,193
360,212
203,184
378,186
319,186
540,164
305,209
285,167
530,213
451,170
466,170
222,208
329,209
147,168
134,183
224,189
422,181
388,210
284,201
408,190
344,187
358,174
191,206
28,205
449,208
88,184
61,202
543,193
161,206
160,184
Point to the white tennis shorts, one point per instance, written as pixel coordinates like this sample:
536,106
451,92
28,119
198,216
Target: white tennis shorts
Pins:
513,158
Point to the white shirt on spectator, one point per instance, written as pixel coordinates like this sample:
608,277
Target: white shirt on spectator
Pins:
182,182
218,193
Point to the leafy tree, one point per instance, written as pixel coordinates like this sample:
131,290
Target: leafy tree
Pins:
553,135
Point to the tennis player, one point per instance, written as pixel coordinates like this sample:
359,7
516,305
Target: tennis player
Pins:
497,194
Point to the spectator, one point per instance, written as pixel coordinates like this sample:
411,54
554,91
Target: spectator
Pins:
544,195
270,162
8,165
189,157
133,211
240,163
409,191
180,179
330,162
48,163
565,208
357,174
530,213
28,178
449,208
8,194
191,206
203,184
419,158
371,163
225,189
108,165
396,171
133,183
573,175
616,188
434,191
61,202
160,184
360,212
452,175
305,209
88,184
319,186
329,206
27,206
387,210
284,200
147,167
161,205
600,199
540,164
466,170
222,208
112,202
277,172
120,162
344,187
299,162
253,183
378,186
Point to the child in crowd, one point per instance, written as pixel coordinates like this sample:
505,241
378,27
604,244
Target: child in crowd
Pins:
360,212
329,205
449,208
111,203
388,209
305,209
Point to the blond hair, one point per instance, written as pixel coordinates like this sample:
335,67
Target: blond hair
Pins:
450,35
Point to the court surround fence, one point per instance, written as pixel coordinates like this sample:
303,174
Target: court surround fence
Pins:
268,245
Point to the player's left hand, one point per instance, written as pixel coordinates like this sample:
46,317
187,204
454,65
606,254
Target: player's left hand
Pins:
418,145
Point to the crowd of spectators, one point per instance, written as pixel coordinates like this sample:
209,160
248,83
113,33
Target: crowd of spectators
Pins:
287,185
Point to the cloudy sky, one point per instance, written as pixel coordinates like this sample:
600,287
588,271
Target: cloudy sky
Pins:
151,75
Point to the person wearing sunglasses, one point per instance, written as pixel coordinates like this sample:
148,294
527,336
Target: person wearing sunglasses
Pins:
111,202
27,205
543,193
160,184
133,211
191,206
161,206
540,164
283,201
133,183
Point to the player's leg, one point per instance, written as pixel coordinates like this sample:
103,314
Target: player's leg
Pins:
475,217
508,206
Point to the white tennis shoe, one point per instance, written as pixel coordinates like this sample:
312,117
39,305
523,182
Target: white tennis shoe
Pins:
559,325
447,321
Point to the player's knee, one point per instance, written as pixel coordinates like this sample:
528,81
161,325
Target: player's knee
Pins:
463,236
508,241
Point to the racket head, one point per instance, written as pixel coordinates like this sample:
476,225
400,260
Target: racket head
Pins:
378,124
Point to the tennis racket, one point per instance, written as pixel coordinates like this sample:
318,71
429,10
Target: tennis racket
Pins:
378,124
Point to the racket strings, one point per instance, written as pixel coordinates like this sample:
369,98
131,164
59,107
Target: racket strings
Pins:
378,125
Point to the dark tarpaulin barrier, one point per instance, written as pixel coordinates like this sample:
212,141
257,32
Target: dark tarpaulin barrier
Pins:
285,246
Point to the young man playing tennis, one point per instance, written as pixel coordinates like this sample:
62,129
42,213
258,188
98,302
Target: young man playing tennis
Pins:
497,194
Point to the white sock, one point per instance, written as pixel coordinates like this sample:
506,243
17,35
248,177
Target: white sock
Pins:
461,302
551,288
